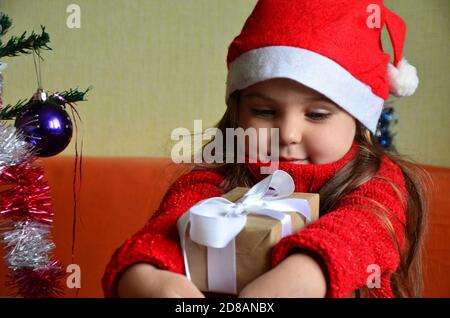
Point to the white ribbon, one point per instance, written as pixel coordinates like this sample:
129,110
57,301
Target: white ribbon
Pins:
215,222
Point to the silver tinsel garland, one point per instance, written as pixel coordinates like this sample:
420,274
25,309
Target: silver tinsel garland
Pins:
27,244
14,149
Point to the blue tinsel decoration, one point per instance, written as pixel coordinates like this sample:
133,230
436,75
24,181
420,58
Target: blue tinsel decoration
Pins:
383,133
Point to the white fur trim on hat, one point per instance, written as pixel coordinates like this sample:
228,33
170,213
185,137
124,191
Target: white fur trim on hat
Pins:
311,69
403,79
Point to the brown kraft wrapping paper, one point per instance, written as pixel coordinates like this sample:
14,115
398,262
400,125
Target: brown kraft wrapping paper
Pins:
253,244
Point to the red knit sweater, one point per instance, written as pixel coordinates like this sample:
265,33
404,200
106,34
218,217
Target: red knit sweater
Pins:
349,239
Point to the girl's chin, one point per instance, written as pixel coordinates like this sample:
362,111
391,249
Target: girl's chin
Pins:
296,162
301,162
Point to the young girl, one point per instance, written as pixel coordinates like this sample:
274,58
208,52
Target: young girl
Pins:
315,70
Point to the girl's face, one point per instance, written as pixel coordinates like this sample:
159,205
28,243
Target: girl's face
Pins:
312,128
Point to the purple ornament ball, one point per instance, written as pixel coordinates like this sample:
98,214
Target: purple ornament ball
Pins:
47,126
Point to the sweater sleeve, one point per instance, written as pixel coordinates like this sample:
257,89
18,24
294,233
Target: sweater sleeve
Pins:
353,236
157,243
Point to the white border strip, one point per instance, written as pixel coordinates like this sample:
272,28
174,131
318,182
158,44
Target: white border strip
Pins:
311,69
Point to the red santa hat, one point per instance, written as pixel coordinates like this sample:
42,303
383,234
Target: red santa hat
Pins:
333,47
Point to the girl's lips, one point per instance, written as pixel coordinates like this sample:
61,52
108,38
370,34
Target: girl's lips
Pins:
279,159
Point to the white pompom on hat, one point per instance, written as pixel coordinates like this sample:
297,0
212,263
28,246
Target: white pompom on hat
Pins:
403,80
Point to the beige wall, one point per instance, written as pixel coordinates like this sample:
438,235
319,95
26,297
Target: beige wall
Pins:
159,64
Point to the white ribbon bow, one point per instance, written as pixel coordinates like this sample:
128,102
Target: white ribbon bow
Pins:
215,222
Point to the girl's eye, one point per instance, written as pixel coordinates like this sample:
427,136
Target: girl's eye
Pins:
318,116
263,112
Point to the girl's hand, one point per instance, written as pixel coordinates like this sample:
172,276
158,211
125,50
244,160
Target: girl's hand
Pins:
146,281
299,275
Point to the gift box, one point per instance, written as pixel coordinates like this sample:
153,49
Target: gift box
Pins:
252,245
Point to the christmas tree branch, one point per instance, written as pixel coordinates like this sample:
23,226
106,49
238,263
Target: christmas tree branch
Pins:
5,23
10,112
25,45
71,96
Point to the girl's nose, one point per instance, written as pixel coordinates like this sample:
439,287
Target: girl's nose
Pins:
291,131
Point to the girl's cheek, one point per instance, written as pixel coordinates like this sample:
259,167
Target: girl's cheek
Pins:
328,148
260,138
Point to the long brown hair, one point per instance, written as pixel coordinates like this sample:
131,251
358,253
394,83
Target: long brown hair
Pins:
407,280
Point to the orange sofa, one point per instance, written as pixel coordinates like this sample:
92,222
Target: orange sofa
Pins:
118,195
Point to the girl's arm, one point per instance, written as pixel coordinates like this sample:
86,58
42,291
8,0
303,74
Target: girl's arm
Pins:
300,275
157,243
352,240
145,281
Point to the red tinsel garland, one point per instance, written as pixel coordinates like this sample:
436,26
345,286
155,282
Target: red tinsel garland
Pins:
25,197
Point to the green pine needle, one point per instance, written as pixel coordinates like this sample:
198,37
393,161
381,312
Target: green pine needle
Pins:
70,96
5,23
10,112
25,45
